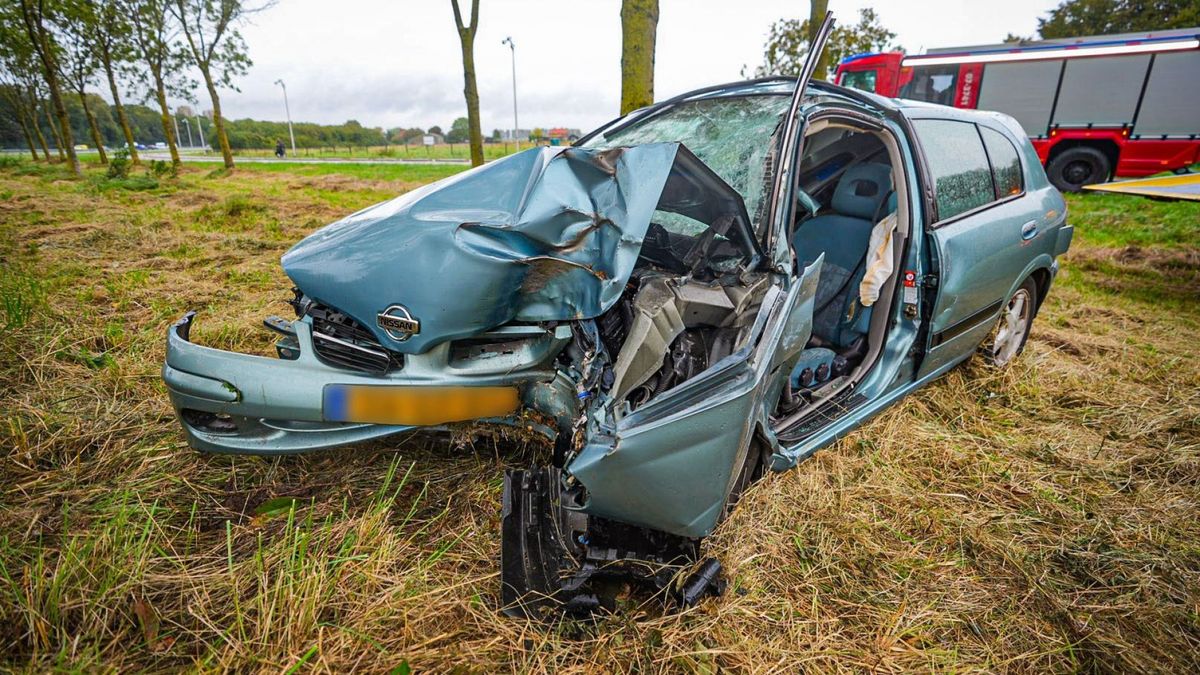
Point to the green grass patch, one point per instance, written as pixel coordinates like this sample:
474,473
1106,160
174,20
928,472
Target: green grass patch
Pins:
21,296
1125,220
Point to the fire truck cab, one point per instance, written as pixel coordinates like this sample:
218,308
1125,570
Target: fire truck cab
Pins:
1094,107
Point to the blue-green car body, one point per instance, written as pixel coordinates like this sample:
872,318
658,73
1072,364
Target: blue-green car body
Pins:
510,273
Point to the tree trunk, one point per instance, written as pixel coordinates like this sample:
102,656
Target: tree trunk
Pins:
466,37
122,118
21,117
160,93
95,128
54,132
816,16
639,29
37,31
471,92
218,123
37,128
64,121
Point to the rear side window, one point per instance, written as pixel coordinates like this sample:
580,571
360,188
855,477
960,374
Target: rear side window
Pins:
962,178
1006,165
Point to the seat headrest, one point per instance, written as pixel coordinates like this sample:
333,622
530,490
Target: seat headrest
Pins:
861,190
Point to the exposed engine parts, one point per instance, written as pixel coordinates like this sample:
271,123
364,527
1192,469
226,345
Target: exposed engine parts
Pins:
673,328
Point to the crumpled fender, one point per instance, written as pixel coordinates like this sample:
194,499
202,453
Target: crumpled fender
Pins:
547,234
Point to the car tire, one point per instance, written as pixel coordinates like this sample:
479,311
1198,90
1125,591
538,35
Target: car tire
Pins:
1007,340
1079,166
753,468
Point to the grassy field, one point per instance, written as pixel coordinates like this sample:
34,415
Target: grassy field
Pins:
411,151
1042,518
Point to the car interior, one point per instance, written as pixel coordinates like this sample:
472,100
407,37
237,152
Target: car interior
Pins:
850,209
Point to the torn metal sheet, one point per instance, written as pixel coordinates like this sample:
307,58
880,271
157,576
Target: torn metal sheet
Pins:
549,234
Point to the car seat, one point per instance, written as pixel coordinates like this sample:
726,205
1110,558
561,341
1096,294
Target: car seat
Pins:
862,197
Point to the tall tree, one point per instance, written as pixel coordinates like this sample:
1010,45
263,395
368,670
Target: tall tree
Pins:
78,62
154,36
1075,18
816,14
110,34
217,49
788,40
36,18
639,30
466,37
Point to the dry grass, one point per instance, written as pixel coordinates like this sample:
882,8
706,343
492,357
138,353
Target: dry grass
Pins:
1043,518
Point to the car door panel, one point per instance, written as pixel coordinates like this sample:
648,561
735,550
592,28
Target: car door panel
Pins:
981,255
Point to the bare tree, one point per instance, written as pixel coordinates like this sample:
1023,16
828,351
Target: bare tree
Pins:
639,31
35,17
154,36
217,48
466,36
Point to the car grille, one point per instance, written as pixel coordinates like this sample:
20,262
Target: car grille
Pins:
341,341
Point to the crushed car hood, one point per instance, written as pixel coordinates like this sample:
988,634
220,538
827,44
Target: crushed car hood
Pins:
548,234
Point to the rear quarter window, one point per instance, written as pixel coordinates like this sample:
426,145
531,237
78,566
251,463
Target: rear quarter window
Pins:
962,177
1006,164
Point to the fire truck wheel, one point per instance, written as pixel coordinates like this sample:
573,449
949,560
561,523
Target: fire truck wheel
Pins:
1076,167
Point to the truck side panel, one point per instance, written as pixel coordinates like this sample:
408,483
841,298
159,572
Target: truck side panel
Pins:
1171,105
1023,90
1101,91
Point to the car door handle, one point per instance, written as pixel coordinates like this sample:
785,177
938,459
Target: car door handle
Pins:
1029,230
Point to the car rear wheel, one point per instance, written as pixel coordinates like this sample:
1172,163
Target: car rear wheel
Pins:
1076,167
1012,329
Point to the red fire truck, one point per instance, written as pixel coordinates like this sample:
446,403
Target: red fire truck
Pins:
1094,107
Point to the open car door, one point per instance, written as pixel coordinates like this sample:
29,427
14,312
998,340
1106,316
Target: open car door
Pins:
799,306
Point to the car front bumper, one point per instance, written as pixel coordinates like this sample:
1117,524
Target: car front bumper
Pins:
242,403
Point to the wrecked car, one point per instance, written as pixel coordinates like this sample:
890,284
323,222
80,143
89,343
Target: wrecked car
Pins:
700,291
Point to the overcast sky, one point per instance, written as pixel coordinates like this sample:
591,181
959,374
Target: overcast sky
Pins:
389,63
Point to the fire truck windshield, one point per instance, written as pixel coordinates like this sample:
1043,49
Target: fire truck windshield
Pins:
863,80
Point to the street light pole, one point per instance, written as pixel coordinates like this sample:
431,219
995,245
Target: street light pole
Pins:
175,119
289,115
516,125
200,130
188,124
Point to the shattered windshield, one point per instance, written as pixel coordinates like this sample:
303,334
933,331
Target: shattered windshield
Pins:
731,135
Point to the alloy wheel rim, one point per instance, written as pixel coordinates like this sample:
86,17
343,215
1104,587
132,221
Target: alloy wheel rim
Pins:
1011,328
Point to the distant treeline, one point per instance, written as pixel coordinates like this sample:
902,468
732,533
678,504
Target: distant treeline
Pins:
143,120
245,134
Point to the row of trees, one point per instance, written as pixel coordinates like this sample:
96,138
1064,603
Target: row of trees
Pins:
54,50
145,123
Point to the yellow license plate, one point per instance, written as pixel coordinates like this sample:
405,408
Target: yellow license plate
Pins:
416,406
